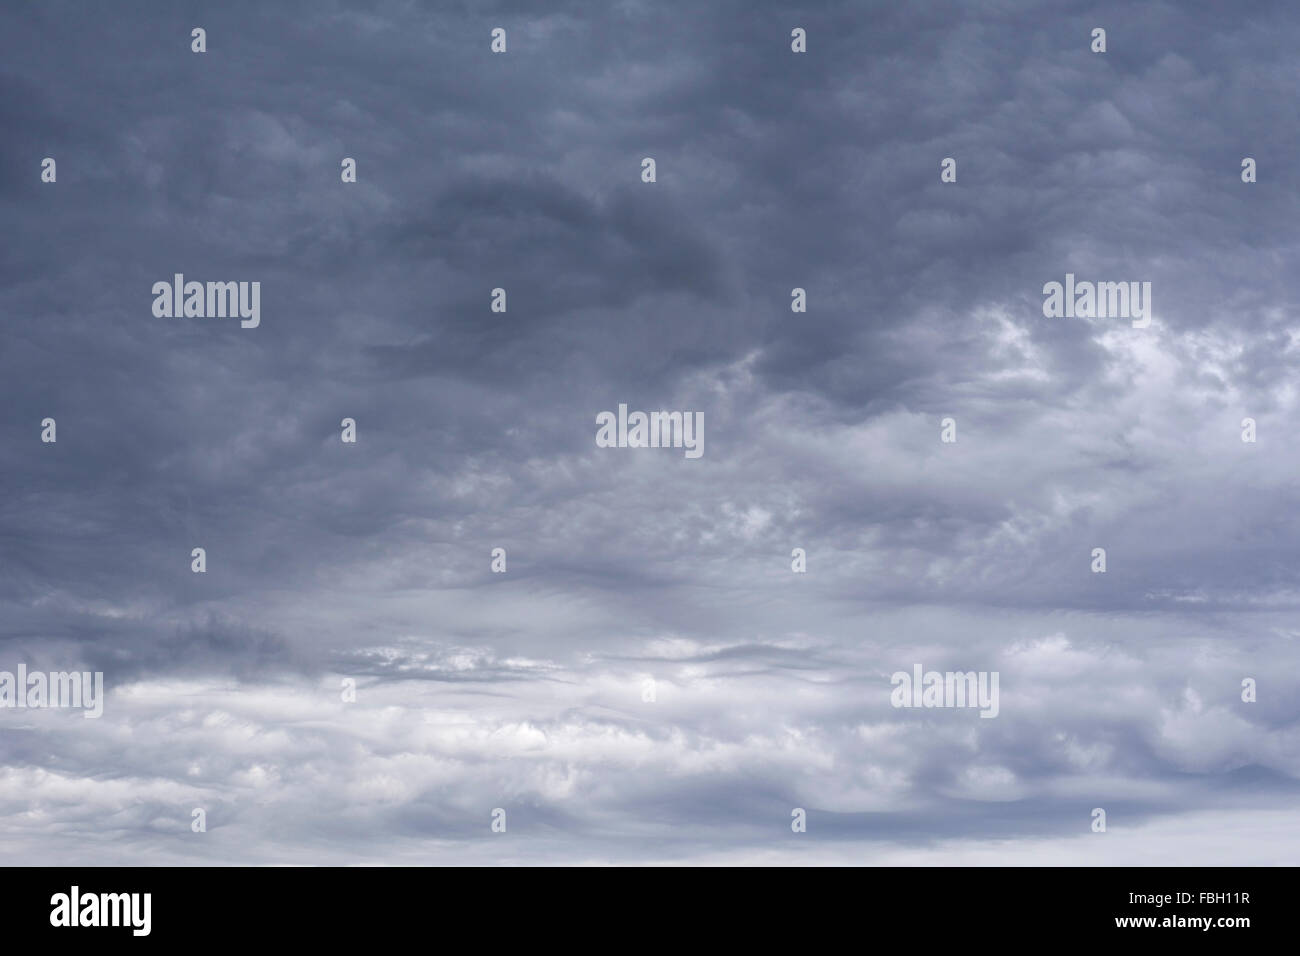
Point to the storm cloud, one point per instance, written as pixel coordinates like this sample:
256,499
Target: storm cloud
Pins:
526,690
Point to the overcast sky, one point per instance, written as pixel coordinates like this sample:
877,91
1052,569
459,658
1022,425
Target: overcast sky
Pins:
476,430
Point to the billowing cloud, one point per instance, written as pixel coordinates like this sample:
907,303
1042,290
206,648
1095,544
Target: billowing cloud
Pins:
641,573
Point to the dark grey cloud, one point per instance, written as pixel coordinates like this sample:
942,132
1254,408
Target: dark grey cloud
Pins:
476,430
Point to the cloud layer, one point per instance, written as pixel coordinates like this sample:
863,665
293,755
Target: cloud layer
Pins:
524,690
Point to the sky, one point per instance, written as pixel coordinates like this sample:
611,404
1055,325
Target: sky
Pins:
631,569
